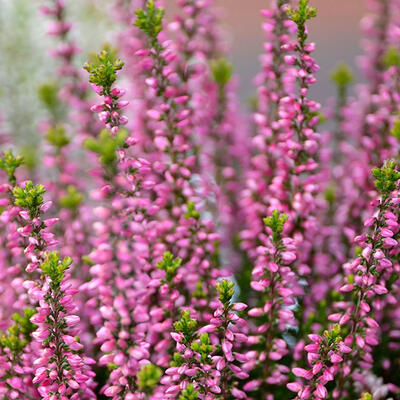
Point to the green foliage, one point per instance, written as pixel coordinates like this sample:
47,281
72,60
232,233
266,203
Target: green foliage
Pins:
30,156
333,336
103,70
170,265
226,291
48,95
57,137
366,396
203,347
330,194
396,129
199,293
391,58
112,366
54,268
342,75
189,393
322,118
106,146
191,211
148,377
276,223
23,321
9,164
29,197
87,260
386,177
222,71
72,199
149,20
252,101
300,17
177,360
18,335
187,326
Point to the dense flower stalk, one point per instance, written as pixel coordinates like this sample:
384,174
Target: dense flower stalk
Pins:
172,125
205,365
367,278
62,371
74,90
276,286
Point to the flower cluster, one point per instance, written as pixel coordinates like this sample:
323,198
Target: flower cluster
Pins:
61,371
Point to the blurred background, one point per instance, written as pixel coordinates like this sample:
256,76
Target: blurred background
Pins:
335,31
25,63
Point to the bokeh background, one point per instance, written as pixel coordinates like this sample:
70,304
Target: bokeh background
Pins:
25,63
335,30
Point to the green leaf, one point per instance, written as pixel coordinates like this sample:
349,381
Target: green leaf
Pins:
342,75
226,291
189,393
48,95
150,19
148,377
9,164
366,396
19,334
57,137
191,211
276,223
103,70
221,71
300,16
391,58
170,265
330,194
106,146
30,156
396,129
54,268
187,326
386,178
72,199
30,197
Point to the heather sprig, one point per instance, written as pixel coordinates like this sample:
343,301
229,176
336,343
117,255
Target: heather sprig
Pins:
103,70
30,197
276,223
57,137
18,334
150,19
55,268
106,145
71,199
189,393
102,75
275,284
62,368
9,163
351,340
391,58
148,377
386,178
342,77
300,16
170,265
222,72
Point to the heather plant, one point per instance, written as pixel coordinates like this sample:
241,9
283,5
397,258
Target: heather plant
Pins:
169,246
